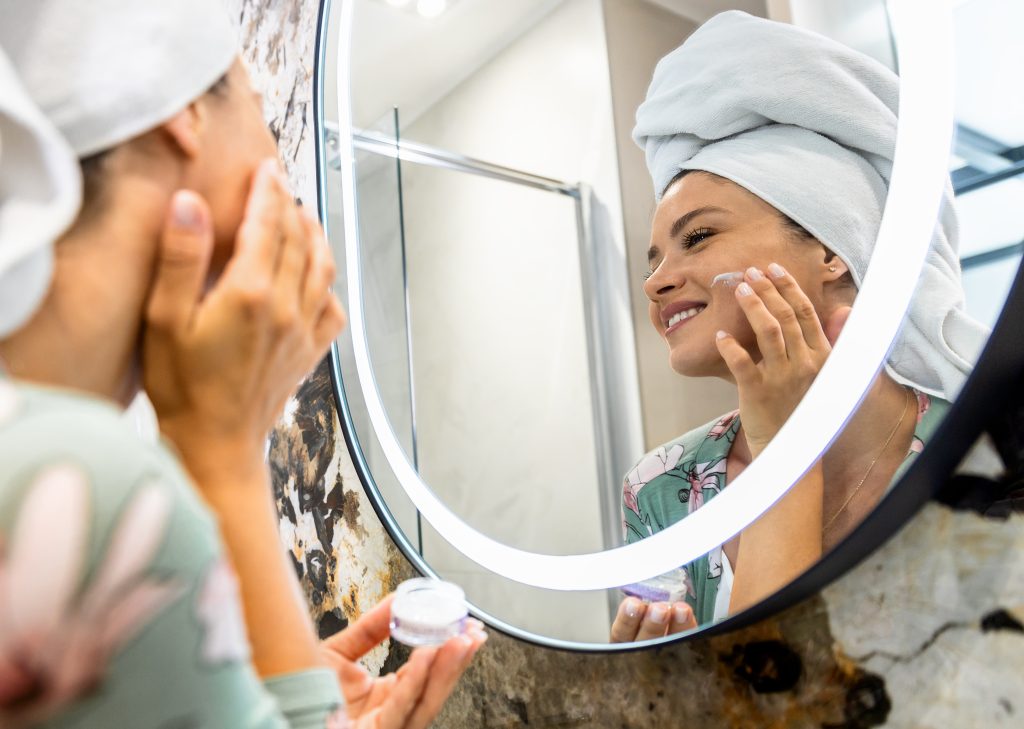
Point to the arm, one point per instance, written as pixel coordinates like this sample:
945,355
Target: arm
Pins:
219,367
766,563
786,539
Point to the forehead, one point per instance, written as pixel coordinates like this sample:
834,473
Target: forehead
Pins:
700,189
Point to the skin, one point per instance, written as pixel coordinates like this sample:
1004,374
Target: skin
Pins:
770,337
207,283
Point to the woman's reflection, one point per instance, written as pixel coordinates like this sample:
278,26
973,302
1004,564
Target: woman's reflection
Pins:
770,149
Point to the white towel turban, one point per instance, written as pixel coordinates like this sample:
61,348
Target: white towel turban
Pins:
102,72
40,191
809,126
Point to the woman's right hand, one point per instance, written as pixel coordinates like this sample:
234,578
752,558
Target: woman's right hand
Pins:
219,364
793,348
411,697
637,620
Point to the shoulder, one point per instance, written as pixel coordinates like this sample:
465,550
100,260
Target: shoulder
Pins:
42,429
44,423
669,460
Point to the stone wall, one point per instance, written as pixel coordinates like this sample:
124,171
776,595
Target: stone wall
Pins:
926,633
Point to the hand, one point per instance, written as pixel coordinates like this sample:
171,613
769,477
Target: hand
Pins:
219,368
409,698
793,348
637,620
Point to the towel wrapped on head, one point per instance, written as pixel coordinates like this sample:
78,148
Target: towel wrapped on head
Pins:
40,191
809,126
78,78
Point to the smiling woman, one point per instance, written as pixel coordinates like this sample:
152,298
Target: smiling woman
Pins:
749,176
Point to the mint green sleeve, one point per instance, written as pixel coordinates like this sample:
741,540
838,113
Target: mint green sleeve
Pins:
118,606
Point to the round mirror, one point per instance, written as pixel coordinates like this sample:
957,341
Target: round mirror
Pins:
515,412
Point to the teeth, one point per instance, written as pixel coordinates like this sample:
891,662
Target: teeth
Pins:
685,315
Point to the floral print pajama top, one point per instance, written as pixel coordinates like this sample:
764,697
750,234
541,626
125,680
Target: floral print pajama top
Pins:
117,604
677,478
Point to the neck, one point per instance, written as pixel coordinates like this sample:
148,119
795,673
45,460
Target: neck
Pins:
85,334
862,461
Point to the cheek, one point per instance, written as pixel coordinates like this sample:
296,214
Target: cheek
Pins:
652,312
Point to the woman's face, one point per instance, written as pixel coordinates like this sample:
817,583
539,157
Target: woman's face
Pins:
235,140
704,226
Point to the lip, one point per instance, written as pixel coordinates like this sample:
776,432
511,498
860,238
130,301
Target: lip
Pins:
674,308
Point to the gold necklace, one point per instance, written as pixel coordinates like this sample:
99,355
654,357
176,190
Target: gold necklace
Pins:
885,445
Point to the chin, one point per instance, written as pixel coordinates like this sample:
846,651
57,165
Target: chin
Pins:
687,365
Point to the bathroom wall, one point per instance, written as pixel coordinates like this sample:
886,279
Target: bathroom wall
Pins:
926,633
638,34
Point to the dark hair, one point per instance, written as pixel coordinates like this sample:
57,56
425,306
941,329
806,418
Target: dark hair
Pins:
93,166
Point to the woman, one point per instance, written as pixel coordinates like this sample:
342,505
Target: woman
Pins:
778,180
177,258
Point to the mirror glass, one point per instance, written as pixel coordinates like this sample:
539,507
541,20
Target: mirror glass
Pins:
505,218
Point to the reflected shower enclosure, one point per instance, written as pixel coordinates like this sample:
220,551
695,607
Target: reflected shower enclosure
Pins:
477,274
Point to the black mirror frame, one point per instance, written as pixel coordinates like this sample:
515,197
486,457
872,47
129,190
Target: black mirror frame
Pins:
998,371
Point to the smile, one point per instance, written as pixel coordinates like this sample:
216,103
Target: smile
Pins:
679,318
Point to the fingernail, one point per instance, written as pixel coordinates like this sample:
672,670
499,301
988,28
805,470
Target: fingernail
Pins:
658,613
472,624
187,213
721,334
755,274
632,607
465,642
744,289
681,613
776,270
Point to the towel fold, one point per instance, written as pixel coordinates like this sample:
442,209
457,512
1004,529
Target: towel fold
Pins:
40,191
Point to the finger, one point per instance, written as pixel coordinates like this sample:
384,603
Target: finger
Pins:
682,618
781,310
836,322
450,663
183,261
330,324
294,255
366,633
766,327
409,687
655,622
321,269
627,620
803,309
737,359
260,235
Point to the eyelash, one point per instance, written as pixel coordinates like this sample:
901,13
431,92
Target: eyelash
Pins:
691,239
696,236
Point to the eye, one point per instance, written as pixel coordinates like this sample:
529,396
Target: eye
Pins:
696,236
647,275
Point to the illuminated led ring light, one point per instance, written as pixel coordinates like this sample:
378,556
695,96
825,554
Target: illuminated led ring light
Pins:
924,133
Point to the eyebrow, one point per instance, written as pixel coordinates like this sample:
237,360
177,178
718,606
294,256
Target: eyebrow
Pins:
682,221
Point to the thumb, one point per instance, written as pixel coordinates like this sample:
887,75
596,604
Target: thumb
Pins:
183,259
835,323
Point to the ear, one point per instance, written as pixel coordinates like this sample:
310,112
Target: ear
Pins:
833,267
185,129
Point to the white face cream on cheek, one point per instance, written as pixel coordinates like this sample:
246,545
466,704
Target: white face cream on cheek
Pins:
427,612
729,279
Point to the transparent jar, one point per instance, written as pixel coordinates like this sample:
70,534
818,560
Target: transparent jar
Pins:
426,612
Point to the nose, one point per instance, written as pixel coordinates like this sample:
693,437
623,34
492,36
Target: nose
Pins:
665,279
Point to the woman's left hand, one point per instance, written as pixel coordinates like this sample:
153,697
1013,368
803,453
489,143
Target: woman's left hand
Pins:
411,697
793,348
